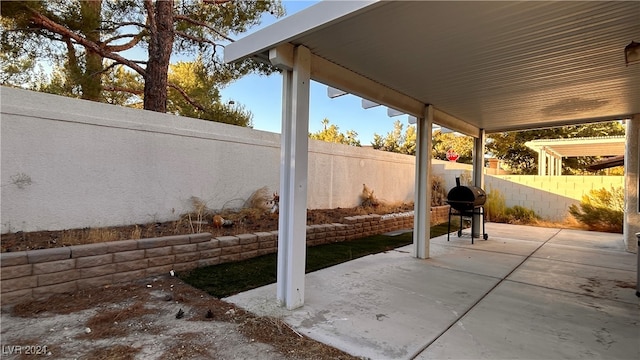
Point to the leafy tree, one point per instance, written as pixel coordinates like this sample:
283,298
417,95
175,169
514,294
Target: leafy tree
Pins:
194,79
510,148
396,141
331,133
409,143
15,68
463,145
90,38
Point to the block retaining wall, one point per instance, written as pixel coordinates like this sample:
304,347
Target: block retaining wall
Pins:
37,274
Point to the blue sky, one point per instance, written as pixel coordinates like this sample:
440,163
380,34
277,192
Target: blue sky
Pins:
262,96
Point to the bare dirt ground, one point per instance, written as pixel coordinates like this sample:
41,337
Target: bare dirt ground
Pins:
154,318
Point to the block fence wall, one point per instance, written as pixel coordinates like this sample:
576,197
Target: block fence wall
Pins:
37,274
549,196
70,163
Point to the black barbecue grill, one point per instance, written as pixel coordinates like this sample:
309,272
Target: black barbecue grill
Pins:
465,202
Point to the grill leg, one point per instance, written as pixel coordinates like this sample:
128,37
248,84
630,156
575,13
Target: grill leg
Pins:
638,267
473,219
449,225
484,231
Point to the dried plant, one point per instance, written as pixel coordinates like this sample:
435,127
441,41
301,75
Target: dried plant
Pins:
438,192
259,199
89,236
367,198
465,178
197,216
136,233
495,207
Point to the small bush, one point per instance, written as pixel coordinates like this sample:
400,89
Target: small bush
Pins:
601,210
367,198
466,178
496,210
438,192
260,199
495,207
521,215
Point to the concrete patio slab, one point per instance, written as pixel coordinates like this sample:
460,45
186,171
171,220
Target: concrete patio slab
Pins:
598,281
523,232
526,293
519,321
474,261
589,239
621,260
375,306
494,244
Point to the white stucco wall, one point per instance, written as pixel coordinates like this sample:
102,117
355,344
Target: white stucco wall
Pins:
68,163
337,174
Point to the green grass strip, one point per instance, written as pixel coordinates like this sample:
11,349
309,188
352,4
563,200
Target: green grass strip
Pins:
231,278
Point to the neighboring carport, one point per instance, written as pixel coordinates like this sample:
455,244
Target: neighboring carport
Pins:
473,67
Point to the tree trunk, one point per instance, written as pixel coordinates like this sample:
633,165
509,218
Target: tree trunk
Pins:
91,79
160,48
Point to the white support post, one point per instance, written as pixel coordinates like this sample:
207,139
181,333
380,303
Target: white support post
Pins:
542,162
422,213
478,174
293,181
631,224
559,168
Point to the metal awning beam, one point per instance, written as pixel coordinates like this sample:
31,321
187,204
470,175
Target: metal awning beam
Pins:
341,78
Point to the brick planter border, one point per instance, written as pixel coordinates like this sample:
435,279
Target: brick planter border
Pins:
37,274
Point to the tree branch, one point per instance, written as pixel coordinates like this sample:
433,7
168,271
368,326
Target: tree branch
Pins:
123,89
196,38
52,26
151,17
200,23
216,2
116,25
122,36
122,47
186,96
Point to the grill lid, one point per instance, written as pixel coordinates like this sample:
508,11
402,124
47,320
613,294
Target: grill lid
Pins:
466,198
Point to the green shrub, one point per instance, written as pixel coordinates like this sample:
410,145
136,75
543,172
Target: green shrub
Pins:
601,210
521,215
495,207
496,210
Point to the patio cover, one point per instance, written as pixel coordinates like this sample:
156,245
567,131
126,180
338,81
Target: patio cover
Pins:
551,151
473,67
607,163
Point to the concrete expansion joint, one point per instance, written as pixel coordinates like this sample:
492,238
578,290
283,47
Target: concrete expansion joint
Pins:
502,279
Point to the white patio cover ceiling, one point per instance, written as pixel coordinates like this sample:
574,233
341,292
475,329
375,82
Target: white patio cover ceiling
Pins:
493,65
